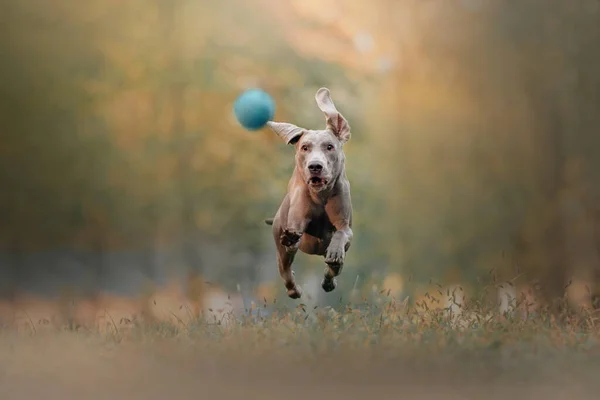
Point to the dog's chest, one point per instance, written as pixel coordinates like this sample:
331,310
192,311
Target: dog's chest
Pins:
320,226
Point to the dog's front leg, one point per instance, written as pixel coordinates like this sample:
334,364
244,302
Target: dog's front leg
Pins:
335,255
339,211
295,212
298,217
339,245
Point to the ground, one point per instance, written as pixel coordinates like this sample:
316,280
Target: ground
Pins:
386,350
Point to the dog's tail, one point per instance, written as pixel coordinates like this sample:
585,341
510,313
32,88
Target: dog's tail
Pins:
269,221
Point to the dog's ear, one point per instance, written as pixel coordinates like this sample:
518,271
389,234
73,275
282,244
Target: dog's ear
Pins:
335,121
290,133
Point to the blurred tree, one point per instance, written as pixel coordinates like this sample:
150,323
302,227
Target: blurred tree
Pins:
487,113
46,167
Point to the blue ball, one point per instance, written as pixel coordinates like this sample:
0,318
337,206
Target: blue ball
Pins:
254,108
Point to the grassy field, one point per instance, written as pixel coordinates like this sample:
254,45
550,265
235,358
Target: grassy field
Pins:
384,349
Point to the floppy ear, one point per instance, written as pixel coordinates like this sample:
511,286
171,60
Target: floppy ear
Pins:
290,133
335,121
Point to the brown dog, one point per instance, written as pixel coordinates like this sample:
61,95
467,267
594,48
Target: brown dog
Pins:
315,215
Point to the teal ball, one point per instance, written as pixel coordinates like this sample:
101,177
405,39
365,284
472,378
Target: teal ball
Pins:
254,108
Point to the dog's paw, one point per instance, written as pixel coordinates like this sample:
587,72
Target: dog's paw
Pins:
335,254
333,270
295,292
328,284
289,238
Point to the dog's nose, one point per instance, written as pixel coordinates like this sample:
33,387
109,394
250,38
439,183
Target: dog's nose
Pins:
315,167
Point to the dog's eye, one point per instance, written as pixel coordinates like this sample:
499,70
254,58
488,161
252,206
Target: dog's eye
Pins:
304,148
329,147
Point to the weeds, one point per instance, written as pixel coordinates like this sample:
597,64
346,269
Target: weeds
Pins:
460,326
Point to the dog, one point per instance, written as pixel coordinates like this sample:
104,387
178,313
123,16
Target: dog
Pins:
315,215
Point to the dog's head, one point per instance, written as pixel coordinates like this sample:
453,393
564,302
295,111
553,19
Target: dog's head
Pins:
319,154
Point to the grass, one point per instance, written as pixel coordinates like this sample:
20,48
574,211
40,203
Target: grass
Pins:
381,344
397,327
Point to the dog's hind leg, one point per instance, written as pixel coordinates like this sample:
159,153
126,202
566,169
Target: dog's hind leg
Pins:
285,258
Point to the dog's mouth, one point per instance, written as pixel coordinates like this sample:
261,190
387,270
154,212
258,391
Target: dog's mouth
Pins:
317,181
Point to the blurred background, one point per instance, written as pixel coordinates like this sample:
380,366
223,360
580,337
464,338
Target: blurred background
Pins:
473,161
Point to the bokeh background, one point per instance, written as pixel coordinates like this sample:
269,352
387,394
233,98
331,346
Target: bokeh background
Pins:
474,156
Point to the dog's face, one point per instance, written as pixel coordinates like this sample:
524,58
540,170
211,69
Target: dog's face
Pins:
319,158
319,154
